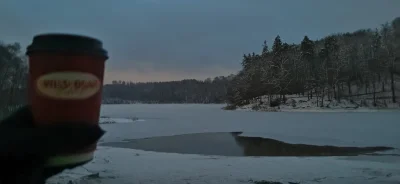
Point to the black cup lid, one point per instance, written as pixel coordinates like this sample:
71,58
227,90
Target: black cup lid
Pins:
58,42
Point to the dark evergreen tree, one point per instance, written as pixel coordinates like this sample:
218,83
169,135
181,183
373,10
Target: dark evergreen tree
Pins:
363,58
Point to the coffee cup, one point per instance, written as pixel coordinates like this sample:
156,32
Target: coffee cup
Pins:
65,84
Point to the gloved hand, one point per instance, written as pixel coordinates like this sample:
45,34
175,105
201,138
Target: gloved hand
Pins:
25,148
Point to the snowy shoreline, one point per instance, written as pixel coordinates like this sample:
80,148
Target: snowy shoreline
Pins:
294,103
323,110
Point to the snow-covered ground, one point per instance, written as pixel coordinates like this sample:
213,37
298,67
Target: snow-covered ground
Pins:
118,165
295,103
361,100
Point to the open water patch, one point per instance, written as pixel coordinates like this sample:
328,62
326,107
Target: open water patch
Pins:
231,144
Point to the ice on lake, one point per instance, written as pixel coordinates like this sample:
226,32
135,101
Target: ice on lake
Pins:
316,128
120,165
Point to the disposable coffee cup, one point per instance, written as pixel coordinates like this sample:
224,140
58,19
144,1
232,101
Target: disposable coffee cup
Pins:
65,84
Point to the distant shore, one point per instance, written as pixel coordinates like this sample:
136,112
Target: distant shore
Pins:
155,103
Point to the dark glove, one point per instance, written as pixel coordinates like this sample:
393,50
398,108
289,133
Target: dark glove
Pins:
24,148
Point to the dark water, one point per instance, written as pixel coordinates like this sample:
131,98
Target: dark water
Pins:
231,144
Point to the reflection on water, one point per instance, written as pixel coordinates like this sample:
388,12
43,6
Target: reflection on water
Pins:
231,144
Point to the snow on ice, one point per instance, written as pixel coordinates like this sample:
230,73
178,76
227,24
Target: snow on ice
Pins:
119,165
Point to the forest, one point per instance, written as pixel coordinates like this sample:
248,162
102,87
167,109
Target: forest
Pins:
185,91
335,67
13,78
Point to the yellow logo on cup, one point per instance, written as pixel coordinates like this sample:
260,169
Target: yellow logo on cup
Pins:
68,85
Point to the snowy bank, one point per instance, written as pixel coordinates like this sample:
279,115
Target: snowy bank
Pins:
295,103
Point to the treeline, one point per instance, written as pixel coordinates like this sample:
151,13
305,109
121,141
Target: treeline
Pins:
13,78
14,74
329,67
185,91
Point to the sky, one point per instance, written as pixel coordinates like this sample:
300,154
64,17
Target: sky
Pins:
162,40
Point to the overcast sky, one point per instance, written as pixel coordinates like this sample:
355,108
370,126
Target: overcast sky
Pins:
159,40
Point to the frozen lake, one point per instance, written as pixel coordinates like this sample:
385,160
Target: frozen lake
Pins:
316,128
183,124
